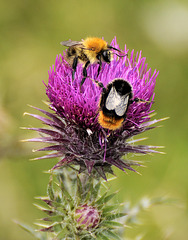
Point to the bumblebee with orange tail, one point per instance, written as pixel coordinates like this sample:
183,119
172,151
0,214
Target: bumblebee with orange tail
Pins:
89,51
114,102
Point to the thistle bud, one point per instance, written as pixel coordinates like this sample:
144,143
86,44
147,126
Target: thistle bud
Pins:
87,217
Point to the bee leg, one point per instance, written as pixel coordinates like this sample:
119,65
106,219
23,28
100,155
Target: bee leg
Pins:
138,100
99,84
74,65
134,100
84,73
100,65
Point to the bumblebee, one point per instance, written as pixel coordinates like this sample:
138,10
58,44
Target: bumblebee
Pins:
88,51
114,102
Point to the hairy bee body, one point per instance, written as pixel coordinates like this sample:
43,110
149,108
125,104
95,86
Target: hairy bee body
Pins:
73,52
88,51
109,122
96,46
114,103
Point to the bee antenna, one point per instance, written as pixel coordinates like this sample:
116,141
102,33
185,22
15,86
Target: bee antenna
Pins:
120,55
110,47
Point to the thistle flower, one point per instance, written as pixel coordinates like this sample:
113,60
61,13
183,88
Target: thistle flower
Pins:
75,134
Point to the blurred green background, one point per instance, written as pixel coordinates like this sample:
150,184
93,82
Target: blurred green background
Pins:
30,33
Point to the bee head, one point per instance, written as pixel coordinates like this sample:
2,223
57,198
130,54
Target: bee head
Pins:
106,55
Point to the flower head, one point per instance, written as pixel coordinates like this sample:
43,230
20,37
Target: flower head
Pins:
87,217
75,133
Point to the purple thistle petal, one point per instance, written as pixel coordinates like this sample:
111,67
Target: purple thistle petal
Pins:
49,156
89,165
52,148
62,162
43,119
101,172
47,201
47,132
87,217
47,140
51,115
47,229
116,164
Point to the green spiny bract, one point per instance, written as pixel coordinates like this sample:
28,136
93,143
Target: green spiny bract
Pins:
77,208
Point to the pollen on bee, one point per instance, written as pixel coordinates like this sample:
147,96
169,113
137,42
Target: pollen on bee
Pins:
96,44
109,122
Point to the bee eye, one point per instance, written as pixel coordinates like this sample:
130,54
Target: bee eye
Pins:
106,56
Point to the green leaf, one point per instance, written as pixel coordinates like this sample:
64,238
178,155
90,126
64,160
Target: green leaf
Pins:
63,234
41,207
58,199
112,224
109,208
28,229
101,199
88,196
49,212
46,230
109,197
61,210
56,218
68,231
64,231
110,235
57,227
96,190
50,189
79,190
66,195
102,236
56,205
88,190
116,215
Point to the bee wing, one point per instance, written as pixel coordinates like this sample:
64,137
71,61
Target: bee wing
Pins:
122,107
113,99
70,43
